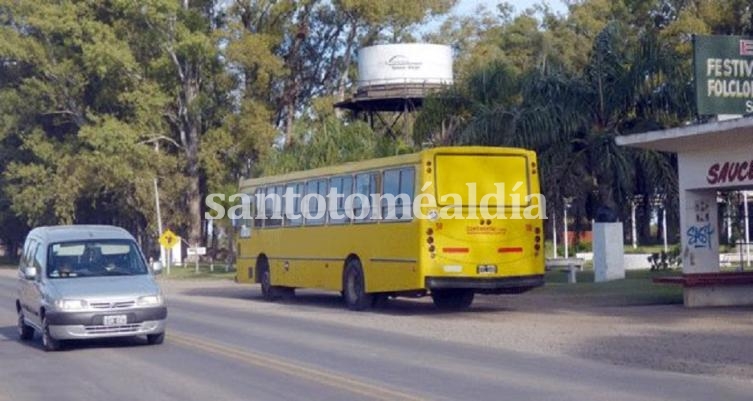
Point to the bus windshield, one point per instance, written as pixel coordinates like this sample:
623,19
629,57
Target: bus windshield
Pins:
454,173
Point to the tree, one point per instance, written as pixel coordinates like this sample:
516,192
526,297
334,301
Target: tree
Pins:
291,52
94,88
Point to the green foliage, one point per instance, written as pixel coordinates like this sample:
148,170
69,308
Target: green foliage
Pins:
569,106
328,141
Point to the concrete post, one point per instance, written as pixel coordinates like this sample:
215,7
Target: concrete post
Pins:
609,252
699,223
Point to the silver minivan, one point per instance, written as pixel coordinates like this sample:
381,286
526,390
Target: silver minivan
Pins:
87,281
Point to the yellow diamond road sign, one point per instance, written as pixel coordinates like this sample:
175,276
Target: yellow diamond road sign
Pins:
168,239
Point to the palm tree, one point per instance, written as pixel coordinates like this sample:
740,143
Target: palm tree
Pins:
628,86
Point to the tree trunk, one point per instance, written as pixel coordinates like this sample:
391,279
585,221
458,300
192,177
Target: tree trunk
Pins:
193,196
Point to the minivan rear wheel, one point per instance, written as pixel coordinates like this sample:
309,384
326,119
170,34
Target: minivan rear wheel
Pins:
25,332
48,342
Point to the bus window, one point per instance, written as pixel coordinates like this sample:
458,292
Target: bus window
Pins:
269,208
455,172
316,212
296,192
407,187
244,223
277,210
366,184
342,185
258,208
397,193
390,191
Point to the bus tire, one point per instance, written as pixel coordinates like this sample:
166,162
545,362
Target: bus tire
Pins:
452,299
354,287
268,291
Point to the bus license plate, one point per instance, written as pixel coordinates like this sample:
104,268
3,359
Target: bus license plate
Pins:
486,269
115,320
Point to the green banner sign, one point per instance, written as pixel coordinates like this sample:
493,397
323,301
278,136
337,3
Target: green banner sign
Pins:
723,67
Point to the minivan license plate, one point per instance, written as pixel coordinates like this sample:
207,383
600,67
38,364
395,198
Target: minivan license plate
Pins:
115,320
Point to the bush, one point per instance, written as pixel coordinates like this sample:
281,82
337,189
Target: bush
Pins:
665,260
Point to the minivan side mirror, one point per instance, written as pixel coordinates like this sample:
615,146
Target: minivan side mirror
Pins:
157,267
30,273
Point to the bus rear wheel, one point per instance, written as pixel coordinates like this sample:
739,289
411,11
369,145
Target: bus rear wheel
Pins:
354,287
452,299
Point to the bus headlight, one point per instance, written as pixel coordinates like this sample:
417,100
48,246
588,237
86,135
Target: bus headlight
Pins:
433,215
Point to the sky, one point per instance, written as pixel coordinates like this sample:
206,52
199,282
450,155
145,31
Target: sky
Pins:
468,7
465,7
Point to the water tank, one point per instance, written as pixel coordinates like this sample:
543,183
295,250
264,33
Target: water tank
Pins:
400,64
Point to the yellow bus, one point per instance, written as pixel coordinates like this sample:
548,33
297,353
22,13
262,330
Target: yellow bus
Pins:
447,249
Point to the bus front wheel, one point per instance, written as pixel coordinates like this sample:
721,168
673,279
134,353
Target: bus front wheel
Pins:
452,299
354,287
268,291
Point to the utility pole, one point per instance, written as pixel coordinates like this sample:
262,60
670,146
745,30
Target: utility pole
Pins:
634,231
159,216
566,239
554,233
664,228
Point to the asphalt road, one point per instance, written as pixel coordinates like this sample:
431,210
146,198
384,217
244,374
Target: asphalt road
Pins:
218,353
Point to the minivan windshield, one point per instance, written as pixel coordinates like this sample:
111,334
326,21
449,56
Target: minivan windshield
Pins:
94,258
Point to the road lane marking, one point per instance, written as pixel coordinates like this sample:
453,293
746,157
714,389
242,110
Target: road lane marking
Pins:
315,374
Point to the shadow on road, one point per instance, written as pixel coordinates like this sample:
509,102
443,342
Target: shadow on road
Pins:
10,334
310,298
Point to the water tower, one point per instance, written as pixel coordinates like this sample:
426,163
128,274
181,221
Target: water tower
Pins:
396,78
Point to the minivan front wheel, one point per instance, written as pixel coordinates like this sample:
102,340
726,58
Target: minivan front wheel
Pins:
48,342
154,339
25,332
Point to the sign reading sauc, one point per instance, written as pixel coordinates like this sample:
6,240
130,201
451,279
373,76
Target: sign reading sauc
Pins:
730,172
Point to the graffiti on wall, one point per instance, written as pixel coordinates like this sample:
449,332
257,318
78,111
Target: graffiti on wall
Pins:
700,234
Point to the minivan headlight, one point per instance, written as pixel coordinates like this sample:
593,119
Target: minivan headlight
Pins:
71,304
149,300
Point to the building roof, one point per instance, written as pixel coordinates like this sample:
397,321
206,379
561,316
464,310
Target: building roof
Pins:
693,137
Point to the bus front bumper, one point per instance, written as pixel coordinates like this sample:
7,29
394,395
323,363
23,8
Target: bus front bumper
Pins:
496,285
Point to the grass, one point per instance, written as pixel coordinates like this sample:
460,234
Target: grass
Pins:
188,272
636,289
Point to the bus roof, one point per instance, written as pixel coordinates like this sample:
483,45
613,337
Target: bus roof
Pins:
377,163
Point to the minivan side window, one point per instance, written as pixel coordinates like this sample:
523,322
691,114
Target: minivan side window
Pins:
27,252
39,257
